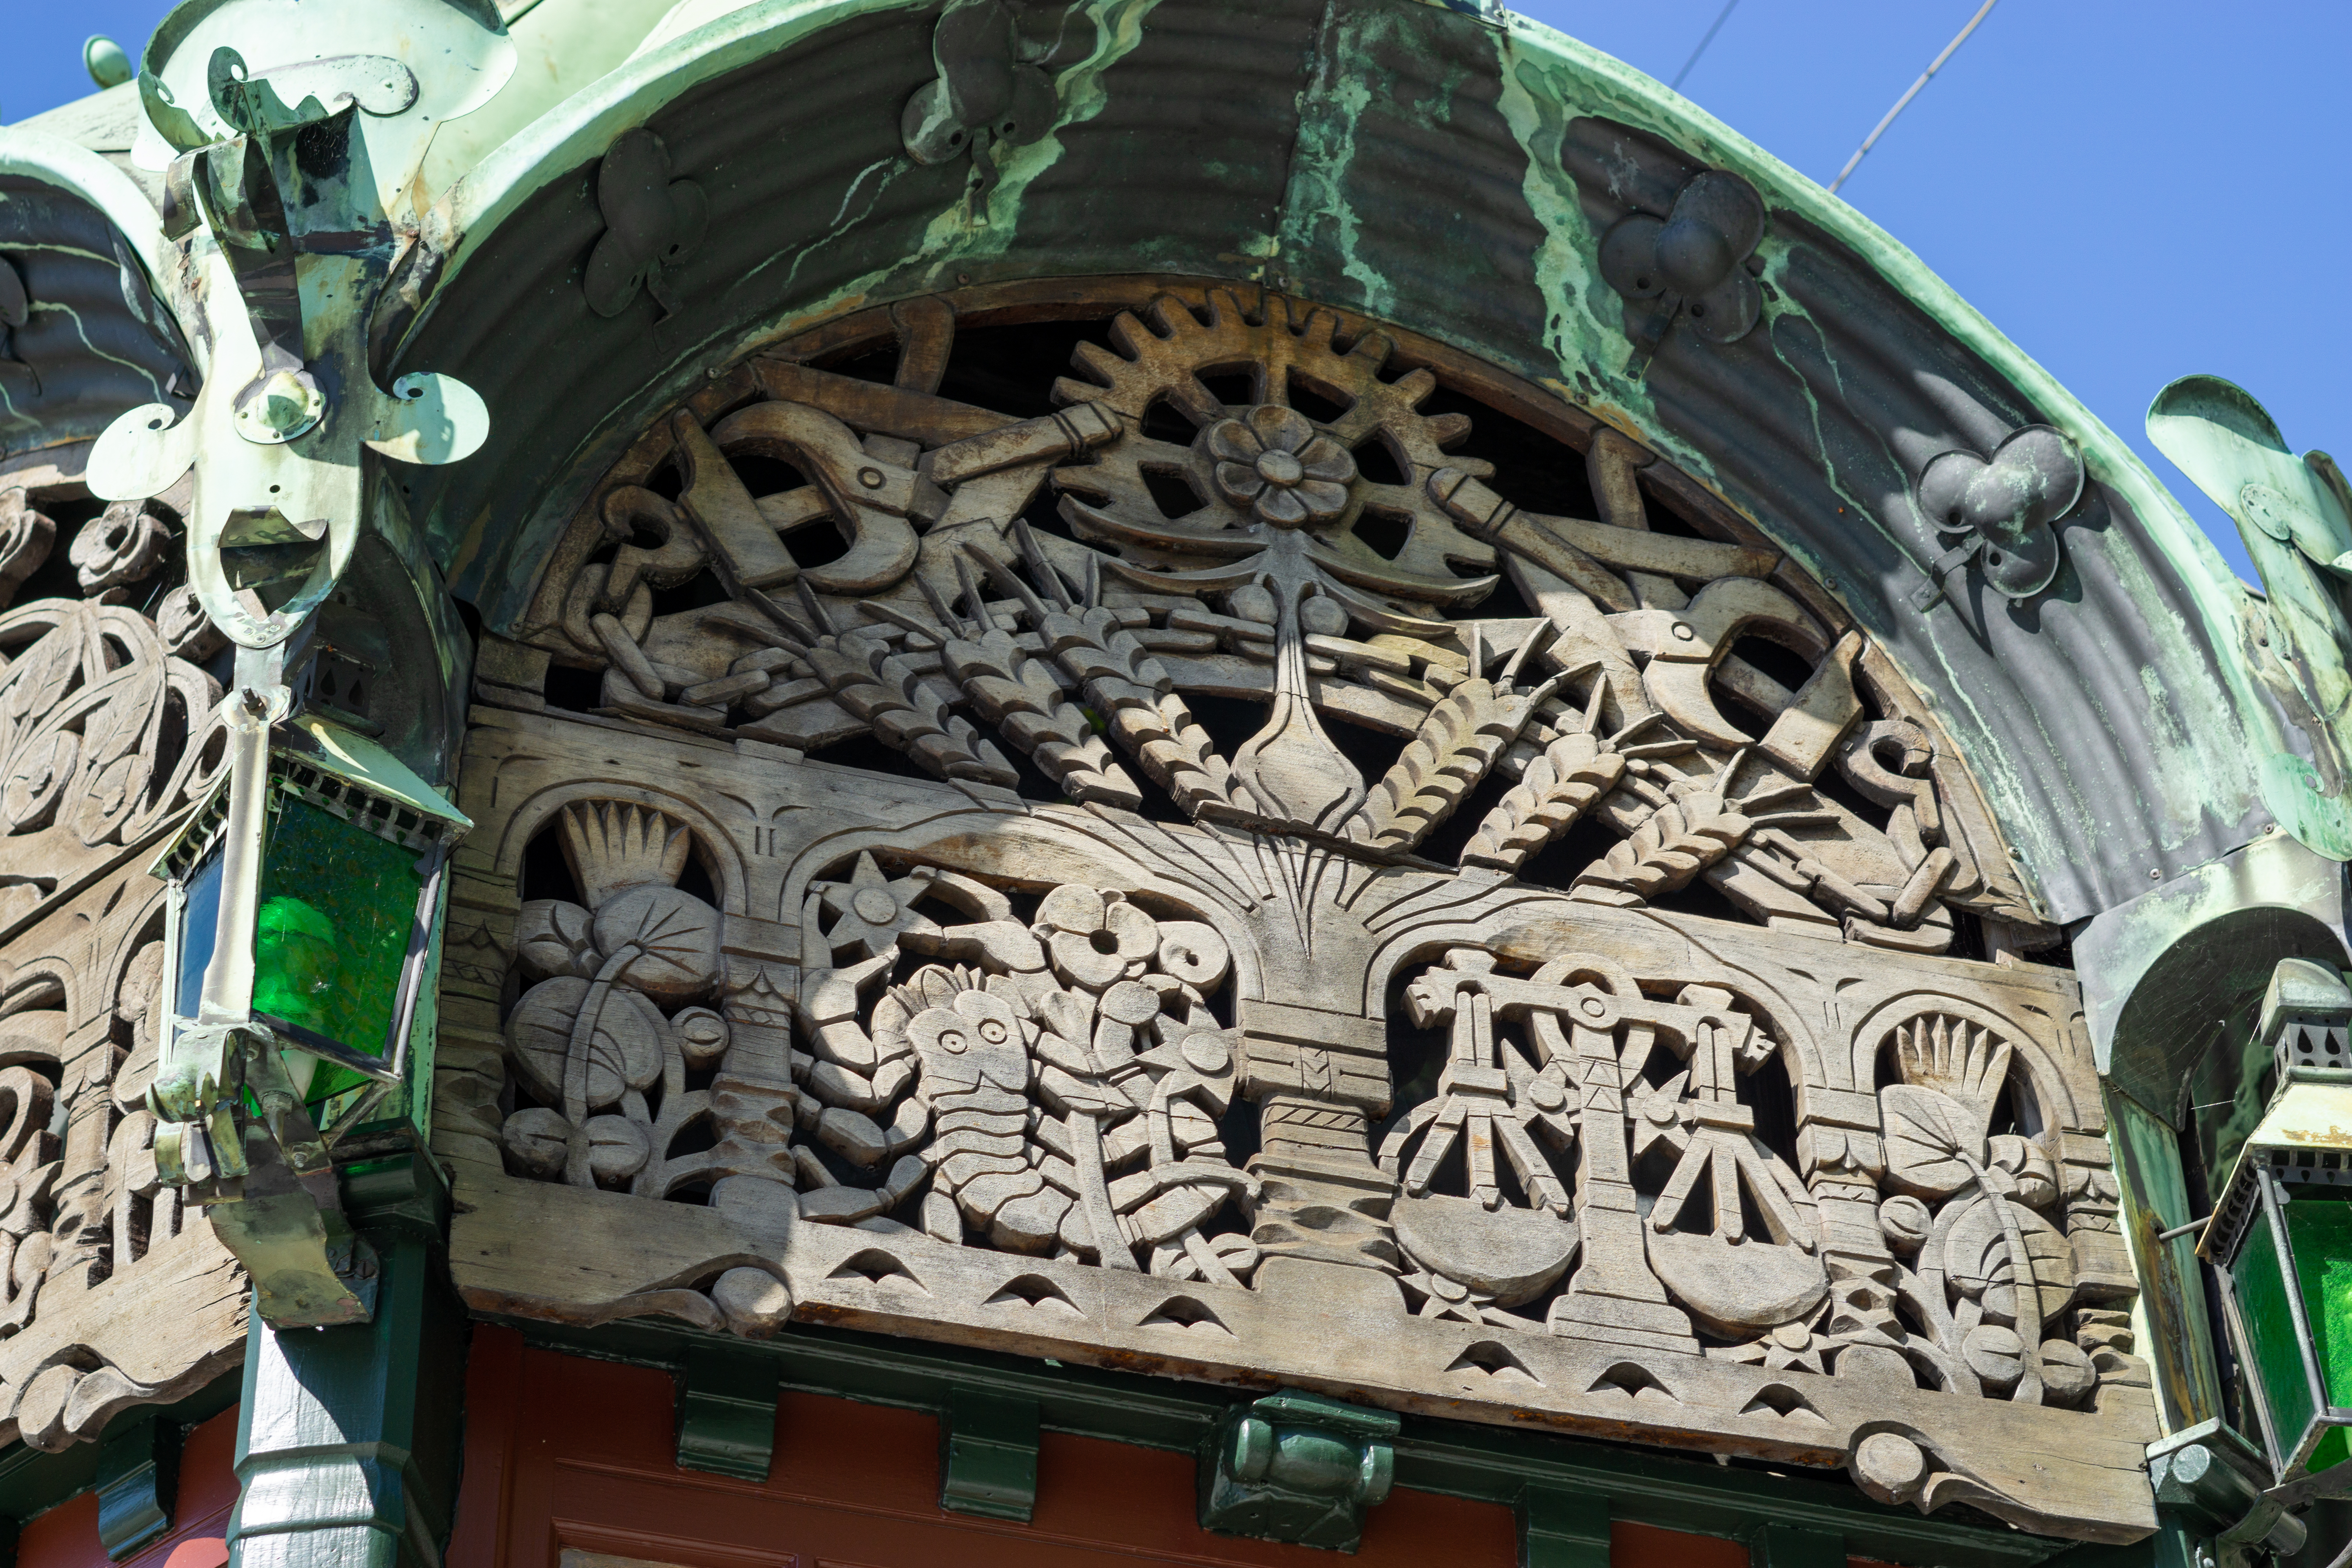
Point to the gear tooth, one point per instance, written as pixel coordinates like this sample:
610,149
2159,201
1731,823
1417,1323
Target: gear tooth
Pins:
1225,309
1069,389
1372,350
1174,318
1104,364
1447,428
1413,388
1320,327
1129,334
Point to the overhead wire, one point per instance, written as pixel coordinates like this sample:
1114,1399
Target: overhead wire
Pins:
1905,101
1721,17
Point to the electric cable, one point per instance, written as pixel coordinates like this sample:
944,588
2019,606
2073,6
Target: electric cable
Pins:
1721,17
1903,103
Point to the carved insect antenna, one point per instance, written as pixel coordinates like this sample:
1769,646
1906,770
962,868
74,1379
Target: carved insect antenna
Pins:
1772,796
912,625
1006,578
818,614
1093,585
1473,639
1617,742
1722,781
1588,717
1787,818
1656,750
975,599
1542,694
799,635
955,624
1527,645
1043,570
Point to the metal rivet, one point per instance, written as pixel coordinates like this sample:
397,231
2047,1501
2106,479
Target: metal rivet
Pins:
1683,633
870,477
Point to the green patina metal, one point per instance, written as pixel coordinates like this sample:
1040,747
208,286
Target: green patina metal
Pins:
2221,745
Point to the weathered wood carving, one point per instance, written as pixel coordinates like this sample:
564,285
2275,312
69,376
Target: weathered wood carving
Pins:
111,1293
1090,881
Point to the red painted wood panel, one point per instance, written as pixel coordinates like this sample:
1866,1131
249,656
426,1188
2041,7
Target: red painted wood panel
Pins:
67,1536
565,1453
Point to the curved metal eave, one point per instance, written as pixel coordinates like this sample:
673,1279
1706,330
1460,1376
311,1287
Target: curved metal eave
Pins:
1640,100
2217,762
37,155
577,130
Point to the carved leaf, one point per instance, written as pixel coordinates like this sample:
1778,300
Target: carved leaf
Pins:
624,1051
676,936
1976,1259
552,937
1930,1140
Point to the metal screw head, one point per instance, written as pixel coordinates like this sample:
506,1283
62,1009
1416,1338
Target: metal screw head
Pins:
281,405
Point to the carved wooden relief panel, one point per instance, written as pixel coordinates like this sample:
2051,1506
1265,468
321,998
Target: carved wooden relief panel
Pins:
1171,827
111,1293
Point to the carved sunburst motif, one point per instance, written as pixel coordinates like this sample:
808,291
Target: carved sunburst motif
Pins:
1247,497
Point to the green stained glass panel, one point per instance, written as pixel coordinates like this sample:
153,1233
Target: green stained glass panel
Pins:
336,907
2319,1228
2273,1349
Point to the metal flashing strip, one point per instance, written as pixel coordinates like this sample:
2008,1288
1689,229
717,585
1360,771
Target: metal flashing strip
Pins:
1640,1486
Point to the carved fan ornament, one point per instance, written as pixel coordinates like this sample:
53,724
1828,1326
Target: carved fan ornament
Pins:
1077,777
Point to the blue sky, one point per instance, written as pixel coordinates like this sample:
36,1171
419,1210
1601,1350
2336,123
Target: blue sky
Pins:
2133,190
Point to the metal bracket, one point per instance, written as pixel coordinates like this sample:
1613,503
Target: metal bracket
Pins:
1562,1528
988,1454
1299,1468
727,1414
138,1480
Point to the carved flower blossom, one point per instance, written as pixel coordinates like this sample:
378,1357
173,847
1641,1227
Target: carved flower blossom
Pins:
1096,939
121,546
1274,462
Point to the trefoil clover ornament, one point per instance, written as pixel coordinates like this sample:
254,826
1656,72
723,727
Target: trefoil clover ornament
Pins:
1692,262
651,222
2001,511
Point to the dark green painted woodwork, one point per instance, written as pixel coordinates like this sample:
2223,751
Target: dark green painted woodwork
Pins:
1298,1467
138,1474
1561,1527
32,1483
727,1413
1452,1458
1795,1546
348,1441
988,1454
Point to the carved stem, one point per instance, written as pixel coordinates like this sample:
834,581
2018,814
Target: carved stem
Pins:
575,1067
1094,1192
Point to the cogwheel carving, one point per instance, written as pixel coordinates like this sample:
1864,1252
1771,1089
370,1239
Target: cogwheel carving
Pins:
1162,361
